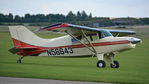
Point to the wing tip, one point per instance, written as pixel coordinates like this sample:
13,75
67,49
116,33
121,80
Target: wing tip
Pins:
54,26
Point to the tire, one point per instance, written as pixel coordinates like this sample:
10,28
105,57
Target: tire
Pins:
19,61
101,64
116,64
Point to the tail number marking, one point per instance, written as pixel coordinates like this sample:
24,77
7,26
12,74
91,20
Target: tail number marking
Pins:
59,51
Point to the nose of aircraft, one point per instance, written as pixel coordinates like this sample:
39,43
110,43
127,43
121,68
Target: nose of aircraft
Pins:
135,40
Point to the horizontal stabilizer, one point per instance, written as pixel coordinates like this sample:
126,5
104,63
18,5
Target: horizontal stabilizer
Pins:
15,50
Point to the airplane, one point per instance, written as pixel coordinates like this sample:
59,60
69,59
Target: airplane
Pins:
80,41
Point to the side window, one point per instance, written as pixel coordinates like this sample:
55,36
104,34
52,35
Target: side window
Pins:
75,41
102,34
95,37
99,35
79,37
89,37
92,37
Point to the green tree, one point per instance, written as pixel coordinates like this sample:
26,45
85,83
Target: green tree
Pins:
84,16
2,17
27,17
18,19
70,16
79,16
145,20
10,17
90,15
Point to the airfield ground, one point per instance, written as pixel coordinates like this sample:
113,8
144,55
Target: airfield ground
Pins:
134,64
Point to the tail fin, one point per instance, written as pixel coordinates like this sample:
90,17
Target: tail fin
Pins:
21,34
26,42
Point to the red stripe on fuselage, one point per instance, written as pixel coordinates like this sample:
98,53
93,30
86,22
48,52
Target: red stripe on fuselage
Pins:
40,49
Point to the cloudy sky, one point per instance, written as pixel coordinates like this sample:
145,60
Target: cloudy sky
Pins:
100,8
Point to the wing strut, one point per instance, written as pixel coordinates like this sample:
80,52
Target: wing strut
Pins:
117,35
89,42
84,35
80,41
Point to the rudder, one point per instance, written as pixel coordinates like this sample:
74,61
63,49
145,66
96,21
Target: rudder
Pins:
22,34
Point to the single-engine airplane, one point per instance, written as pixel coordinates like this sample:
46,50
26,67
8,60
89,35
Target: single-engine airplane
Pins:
80,41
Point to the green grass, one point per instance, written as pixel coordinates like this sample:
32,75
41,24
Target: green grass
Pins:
134,65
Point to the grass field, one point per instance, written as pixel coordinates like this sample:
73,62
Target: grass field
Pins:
134,65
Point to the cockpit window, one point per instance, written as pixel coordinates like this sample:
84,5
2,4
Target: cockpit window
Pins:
103,34
91,37
79,37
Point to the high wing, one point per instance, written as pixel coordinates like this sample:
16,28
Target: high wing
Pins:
75,29
121,32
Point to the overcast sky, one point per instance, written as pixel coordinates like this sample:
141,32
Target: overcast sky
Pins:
100,8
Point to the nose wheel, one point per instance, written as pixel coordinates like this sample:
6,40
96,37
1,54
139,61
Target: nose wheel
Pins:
115,64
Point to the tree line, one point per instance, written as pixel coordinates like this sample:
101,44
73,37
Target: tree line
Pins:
80,18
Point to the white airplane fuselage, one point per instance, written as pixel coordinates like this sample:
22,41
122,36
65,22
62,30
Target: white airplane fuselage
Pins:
66,45
63,46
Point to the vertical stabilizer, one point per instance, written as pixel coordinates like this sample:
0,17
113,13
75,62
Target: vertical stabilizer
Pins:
21,34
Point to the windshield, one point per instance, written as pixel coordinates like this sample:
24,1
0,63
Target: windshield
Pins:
104,33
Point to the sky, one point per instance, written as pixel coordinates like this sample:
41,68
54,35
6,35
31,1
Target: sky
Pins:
98,8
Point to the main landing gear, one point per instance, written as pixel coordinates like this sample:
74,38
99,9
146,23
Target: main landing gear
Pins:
20,60
101,63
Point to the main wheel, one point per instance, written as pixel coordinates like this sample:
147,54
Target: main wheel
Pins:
116,64
19,61
101,64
